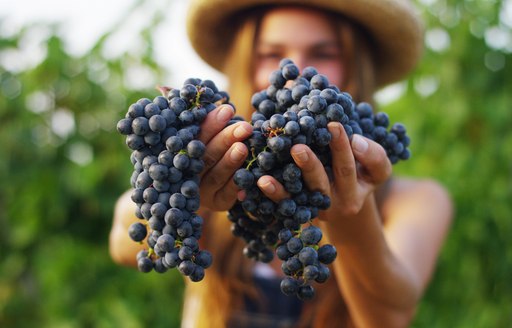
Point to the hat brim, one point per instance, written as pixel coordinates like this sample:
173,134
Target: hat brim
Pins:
395,27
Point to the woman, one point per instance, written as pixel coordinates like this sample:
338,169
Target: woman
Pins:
388,231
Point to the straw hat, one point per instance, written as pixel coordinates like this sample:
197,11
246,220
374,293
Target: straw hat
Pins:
396,29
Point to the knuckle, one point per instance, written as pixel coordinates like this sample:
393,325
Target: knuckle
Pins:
311,166
209,161
211,181
380,154
227,139
326,189
388,170
307,168
279,195
351,208
225,197
382,160
345,171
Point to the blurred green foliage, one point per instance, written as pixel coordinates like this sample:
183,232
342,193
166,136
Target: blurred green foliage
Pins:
63,166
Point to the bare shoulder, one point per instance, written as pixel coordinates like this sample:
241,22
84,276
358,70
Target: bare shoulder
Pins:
426,198
426,190
124,209
417,215
122,248
124,200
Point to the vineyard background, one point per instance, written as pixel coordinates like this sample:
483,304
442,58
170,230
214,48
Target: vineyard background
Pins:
63,165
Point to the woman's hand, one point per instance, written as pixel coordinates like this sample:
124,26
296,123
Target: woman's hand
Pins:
358,166
225,153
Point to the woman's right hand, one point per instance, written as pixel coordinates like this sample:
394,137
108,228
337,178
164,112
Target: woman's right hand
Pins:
225,153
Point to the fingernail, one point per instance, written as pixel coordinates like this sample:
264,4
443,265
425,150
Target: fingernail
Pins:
268,187
237,154
240,195
224,114
241,131
359,144
301,156
335,131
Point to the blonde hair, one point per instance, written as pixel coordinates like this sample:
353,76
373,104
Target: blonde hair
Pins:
229,279
221,291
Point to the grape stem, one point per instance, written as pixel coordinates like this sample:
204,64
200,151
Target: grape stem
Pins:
253,159
196,102
273,132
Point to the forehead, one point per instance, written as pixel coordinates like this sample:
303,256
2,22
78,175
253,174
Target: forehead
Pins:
297,25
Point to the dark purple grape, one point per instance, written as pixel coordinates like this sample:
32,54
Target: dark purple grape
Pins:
135,110
244,179
181,161
157,123
165,242
204,259
145,264
196,149
319,82
178,105
305,292
290,71
197,275
308,72
327,254
151,109
158,210
289,286
186,267
277,79
172,259
266,160
323,274
140,125
190,189
311,235
294,245
124,126
137,231
310,272
174,217
308,256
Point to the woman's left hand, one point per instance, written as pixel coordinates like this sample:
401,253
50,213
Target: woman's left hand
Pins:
358,167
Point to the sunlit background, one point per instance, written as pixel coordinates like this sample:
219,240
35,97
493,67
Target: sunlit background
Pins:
69,70
83,23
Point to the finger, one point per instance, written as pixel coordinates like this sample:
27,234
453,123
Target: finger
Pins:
272,188
220,143
343,162
215,121
226,196
313,171
223,170
373,159
219,180
240,195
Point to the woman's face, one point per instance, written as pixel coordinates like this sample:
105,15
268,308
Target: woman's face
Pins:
303,35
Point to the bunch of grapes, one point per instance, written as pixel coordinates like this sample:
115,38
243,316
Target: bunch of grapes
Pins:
295,109
167,159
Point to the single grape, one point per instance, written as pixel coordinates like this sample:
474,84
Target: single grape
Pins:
137,231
